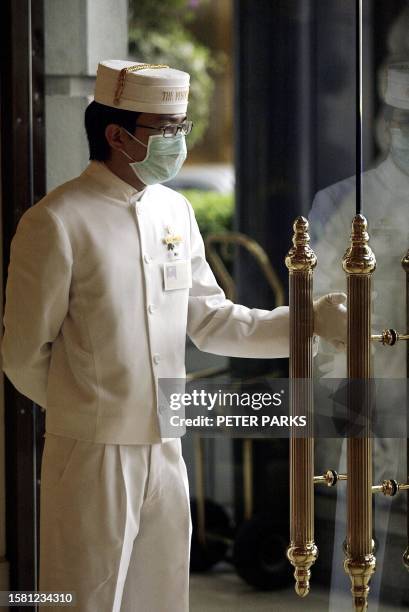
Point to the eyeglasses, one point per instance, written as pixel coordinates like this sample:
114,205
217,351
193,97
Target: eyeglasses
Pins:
168,131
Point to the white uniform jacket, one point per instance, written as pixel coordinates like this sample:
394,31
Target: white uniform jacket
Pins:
89,326
385,205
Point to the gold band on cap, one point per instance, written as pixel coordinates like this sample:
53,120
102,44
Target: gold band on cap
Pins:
122,77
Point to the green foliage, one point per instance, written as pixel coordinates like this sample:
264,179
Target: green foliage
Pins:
162,15
157,34
213,210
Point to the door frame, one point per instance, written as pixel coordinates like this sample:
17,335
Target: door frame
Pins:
23,183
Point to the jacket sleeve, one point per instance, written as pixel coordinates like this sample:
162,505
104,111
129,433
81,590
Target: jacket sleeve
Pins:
37,296
217,325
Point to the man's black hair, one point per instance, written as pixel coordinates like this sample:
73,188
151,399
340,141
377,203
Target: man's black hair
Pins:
97,117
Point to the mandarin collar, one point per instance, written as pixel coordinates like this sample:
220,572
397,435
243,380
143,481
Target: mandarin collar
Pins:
112,185
394,178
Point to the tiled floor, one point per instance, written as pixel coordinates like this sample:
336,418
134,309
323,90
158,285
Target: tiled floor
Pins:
223,591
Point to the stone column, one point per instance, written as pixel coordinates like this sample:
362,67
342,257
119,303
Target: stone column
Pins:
78,34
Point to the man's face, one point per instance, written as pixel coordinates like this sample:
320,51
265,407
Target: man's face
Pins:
149,124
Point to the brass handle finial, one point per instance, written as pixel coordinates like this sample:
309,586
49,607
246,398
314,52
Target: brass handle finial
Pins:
359,258
301,257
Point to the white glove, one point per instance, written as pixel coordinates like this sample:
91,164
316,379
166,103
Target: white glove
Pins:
330,319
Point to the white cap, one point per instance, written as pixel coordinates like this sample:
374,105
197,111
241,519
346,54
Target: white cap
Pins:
397,85
146,88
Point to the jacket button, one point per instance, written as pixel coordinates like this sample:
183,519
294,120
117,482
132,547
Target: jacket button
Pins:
156,358
151,308
147,258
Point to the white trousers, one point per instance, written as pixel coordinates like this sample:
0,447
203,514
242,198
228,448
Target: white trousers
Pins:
115,525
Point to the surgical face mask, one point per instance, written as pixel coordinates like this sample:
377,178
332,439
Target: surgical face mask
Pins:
400,147
163,160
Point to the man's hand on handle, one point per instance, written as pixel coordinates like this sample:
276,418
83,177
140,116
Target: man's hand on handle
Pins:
330,319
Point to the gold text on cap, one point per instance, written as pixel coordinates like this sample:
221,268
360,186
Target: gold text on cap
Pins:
122,77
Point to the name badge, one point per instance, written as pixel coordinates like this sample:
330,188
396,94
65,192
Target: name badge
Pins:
177,274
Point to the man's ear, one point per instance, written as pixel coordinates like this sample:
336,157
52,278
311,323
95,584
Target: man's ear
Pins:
115,136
